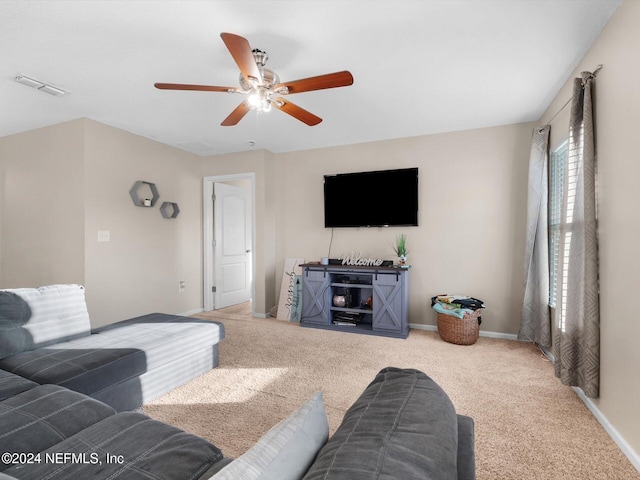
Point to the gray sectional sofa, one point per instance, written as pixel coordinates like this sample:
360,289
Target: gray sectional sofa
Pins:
51,432
46,337
61,416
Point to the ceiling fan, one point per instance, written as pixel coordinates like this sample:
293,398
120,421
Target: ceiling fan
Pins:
262,85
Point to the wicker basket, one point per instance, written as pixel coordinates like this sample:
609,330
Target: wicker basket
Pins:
461,331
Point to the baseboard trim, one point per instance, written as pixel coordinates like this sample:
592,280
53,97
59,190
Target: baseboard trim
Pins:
633,457
421,326
504,336
195,311
483,333
627,450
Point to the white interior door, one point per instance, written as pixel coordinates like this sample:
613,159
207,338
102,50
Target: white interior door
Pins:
232,245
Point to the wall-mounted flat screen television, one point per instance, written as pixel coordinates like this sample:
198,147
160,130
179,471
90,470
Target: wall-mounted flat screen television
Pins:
382,198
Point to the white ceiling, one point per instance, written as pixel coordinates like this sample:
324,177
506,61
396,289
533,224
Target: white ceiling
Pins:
420,67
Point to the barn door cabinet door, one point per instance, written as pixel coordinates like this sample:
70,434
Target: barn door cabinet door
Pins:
390,302
316,297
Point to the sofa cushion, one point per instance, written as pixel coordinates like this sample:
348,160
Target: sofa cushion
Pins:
286,451
45,415
125,446
35,317
161,336
402,426
116,353
83,369
12,384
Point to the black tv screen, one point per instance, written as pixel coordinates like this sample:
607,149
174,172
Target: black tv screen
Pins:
371,199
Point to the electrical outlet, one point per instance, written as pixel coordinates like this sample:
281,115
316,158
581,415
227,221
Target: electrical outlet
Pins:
181,285
104,235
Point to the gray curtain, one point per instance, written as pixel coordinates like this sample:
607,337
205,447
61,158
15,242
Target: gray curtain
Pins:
577,328
535,325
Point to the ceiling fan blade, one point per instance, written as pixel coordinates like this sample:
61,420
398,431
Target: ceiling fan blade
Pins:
330,80
205,88
238,113
297,112
240,50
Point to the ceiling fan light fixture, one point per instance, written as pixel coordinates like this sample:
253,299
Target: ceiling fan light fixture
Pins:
262,85
269,77
260,99
260,57
258,103
281,90
254,100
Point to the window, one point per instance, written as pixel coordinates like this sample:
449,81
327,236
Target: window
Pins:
563,173
557,168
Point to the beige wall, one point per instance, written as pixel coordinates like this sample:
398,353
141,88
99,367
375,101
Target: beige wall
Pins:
617,111
472,213
472,198
61,184
42,207
138,271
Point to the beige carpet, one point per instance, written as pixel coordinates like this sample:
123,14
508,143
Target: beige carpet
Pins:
528,426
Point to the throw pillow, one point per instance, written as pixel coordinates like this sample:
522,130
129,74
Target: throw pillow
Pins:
14,313
36,317
287,450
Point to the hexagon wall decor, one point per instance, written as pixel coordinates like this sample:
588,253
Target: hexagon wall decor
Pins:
169,210
140,202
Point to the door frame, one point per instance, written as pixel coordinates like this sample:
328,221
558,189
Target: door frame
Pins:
207,234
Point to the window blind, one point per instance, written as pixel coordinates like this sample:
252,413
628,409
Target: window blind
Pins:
557,170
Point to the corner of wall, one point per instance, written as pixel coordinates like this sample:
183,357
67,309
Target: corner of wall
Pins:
270,232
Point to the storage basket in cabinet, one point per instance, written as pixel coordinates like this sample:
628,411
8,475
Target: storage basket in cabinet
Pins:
461,331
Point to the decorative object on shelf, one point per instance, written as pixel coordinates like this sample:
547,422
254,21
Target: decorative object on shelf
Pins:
355,259
339,301
347,319
169,210
401,249
143,202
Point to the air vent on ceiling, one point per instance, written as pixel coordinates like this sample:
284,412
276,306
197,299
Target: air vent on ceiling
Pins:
39,85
